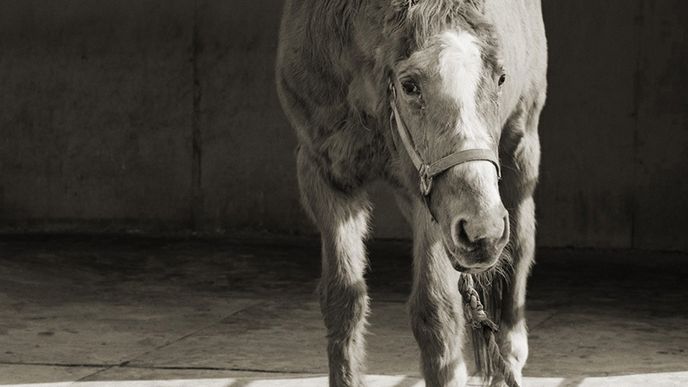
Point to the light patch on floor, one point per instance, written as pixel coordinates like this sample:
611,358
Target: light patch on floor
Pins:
658,379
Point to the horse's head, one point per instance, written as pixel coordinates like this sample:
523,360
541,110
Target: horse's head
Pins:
445,79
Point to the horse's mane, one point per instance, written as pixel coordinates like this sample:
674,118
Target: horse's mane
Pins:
417,20
330,25
425,16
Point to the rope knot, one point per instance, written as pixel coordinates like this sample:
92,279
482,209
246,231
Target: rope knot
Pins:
473,307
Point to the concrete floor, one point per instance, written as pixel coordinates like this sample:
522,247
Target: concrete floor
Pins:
155,312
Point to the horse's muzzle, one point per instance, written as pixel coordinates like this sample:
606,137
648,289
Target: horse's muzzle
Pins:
479,242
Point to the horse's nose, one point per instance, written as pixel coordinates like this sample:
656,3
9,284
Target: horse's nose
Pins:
487,231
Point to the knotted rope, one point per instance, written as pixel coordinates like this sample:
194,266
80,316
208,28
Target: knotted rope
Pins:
475,313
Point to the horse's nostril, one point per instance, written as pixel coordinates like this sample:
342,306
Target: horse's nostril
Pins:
505,231
462,237
480,233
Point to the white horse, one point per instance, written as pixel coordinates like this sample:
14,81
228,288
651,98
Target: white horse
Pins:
439,98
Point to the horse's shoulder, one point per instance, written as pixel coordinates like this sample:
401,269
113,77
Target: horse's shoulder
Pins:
321,93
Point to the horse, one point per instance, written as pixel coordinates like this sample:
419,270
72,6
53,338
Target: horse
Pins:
441,100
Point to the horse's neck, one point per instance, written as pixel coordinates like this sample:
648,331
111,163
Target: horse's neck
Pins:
520,32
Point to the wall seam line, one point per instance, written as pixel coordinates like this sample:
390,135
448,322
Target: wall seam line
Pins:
196,141
637,91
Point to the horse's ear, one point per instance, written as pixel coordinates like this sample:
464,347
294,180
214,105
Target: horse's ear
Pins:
479,5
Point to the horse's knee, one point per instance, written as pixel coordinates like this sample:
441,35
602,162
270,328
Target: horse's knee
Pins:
430,321
344,309
438,331
426,326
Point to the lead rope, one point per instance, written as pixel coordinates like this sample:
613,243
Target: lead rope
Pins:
475,313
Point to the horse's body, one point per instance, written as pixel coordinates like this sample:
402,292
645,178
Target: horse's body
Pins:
334,66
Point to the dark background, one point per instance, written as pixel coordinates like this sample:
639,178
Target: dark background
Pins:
161,117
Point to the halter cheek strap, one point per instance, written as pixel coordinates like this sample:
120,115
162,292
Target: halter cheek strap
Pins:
428,171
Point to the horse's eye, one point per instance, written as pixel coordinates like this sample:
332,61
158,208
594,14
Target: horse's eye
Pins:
410,87
502,79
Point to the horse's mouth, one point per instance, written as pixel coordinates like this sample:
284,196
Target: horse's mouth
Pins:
455,261
469,270
462,269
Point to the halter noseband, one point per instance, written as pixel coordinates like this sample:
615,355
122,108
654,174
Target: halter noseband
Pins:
428,171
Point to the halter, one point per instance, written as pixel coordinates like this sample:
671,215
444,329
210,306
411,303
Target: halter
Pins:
428,171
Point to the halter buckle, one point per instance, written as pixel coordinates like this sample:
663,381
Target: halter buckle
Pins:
425,179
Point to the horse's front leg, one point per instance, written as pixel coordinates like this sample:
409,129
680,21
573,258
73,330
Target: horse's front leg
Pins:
520,158
435,307
342,219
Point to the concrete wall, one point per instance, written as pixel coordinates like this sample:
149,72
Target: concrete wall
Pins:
615,131
161,116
